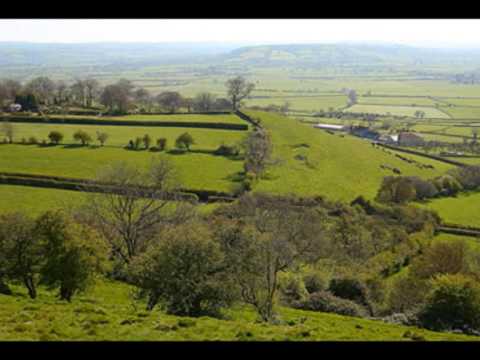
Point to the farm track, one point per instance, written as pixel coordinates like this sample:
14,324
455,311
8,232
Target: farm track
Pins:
462,230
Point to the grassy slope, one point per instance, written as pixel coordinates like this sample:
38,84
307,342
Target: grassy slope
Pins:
197,170
344,167
463,209
99,314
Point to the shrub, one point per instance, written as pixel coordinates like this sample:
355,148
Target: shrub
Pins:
407,294
226,150
82,136
147,141
325,301
453,303
350,289
199,286
184,141
55,137
292,288
315,282
102,137
137,142
161,144
32,140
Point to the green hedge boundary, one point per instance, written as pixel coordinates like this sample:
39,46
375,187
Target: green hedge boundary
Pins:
85,185
148,123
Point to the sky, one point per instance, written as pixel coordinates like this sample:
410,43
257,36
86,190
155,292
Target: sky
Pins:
417,32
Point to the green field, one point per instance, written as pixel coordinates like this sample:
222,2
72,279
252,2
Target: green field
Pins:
397,110
306,103
462,112
340,168
196,170
463,209
389,100
107,312
205,139
463,101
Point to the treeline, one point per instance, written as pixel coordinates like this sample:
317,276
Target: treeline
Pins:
48,96
401,189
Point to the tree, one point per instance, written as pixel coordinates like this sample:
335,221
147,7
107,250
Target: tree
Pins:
8,131
453,303
170,100
43,88
118,97
78,90
185,271
73,253
262,236
204,102
27,101
238,89
475,134
102,137
143,97
147,141
352,97
82,136
130,215
55,137
161,144
21,252
92,90
419,114
184,141
258,150
61,94
9,89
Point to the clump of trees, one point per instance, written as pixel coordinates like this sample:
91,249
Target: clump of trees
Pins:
184,141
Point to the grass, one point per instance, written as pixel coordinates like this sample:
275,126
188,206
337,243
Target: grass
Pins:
463,209
196,170
463,112
303,103
121,135
34,201
340,168
406,101
430,112
107,312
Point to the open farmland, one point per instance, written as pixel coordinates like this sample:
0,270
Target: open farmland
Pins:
390,100
340,168
196,170
397,110
303,103
119,136
463,209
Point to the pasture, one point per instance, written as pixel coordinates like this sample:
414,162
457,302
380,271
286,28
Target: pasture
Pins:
108,312
310,162
430,112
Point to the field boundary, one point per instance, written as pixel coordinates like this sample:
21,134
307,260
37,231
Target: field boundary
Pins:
143,123
88,185
413,152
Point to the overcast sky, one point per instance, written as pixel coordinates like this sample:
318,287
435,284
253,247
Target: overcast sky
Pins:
435,33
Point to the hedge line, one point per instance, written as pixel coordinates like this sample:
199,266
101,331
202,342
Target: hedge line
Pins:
89,121
413,152
247,118
57,182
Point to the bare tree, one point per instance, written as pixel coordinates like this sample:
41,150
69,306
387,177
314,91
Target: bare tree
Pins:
204,102
258,150
130,216
170,100
265,236
238,89
43,88
8,131
78,91
92,89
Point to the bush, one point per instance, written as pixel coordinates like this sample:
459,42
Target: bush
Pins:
226,150
82,136
198,286
32,140
161,144
55,137
325,301
407,294
315,282
184,141
453,303
292,289
350,289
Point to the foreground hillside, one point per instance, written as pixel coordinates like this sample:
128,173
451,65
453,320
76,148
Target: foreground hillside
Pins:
311,162
107,312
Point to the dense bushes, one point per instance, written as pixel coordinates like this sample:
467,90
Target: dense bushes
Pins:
325,301
453,303
184,271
